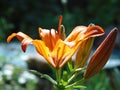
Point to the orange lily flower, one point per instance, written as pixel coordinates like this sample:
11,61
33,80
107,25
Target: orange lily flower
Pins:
52,46
101,55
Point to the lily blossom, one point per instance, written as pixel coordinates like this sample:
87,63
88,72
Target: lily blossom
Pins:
53,47
101,55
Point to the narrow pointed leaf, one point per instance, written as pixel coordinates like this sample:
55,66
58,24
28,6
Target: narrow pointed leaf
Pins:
70,65
79,86
44,76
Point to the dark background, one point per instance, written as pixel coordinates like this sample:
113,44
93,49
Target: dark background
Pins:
28,15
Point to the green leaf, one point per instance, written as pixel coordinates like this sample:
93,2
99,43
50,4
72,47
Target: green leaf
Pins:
75,83
64,77
70,65
79,86
44,76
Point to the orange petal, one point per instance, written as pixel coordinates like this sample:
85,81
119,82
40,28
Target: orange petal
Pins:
69,53
25,44
43,50
101,55
61,50
93,31
49,37
11,37
81,33
25,40
83,53
77,33
20,36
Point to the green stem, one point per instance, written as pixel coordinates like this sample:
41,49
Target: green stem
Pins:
72,77
59,85
58,76
75,73
76,83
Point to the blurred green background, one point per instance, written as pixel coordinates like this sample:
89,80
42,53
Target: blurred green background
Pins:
28,15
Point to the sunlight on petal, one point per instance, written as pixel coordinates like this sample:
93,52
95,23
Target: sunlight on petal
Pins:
11,37
49,37
43,50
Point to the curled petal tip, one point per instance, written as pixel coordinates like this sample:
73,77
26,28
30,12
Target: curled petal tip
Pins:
25,43
97,29
94,31
10,37
25,40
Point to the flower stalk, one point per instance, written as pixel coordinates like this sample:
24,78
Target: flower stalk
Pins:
58,76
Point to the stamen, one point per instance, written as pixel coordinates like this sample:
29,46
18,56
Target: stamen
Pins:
59,24
62,32
52,42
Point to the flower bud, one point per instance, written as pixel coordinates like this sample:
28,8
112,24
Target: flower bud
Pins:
101,55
